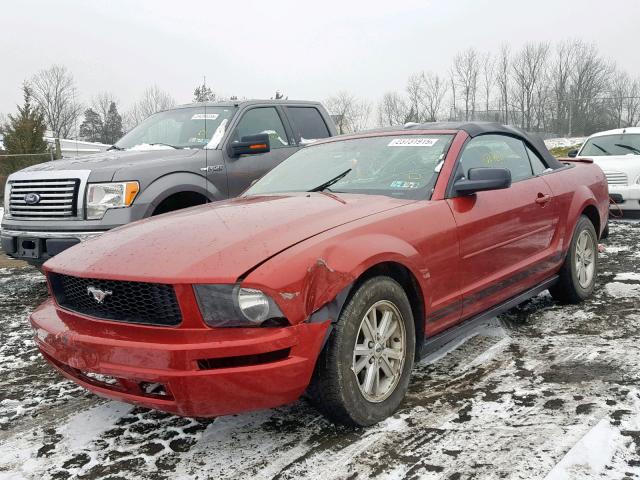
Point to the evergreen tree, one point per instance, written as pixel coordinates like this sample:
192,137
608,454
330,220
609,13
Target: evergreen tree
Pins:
24,132
112,125
92,127
202,93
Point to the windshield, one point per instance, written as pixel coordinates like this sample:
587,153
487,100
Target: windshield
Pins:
404,166
191,127
624,144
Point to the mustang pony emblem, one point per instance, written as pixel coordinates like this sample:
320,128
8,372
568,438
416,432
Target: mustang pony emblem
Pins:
97,294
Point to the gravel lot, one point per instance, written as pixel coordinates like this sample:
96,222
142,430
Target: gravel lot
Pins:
543,391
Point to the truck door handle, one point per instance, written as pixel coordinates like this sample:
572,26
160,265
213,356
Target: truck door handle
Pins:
543,199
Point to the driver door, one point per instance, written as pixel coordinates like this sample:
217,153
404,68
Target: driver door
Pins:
504,234
243,170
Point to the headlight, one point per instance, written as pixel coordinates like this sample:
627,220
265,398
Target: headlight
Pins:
103,196
235,306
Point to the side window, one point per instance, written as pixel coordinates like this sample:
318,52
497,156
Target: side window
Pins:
263,120
307,124
536,162
496,151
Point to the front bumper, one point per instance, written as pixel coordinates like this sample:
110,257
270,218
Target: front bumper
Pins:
190,372
626,197
38,246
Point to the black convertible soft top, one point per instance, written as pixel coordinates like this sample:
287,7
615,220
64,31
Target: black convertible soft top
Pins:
474,129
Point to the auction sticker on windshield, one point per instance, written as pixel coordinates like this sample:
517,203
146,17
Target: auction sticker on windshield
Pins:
205,116
412,142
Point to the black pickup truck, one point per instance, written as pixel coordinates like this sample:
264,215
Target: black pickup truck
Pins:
177,158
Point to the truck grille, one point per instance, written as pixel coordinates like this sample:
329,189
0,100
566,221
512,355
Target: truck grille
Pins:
132,302
616,178
55,199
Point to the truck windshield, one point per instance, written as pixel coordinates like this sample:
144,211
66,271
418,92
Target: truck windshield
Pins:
404,166
193,127
606,145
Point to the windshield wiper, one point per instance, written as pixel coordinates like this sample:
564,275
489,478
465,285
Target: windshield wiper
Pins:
114,147
328,183
599,148
628,147
165,144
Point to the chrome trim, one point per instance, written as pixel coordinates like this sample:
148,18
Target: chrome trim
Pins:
82,236
45,174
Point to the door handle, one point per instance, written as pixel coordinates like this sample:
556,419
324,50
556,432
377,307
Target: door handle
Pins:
543,199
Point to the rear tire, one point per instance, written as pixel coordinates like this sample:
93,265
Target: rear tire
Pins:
579,270
363,372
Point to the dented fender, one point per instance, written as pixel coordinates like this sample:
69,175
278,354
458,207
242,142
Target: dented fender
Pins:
307,278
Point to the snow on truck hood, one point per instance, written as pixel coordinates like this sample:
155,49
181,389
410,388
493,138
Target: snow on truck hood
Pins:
214,243
112,160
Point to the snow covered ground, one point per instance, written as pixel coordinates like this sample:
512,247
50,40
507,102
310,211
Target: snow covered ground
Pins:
564,142
545,391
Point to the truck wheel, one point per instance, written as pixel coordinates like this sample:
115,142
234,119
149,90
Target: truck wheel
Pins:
363,372
578,272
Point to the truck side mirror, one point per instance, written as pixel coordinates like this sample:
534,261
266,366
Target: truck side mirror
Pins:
482,179
572,153
251,145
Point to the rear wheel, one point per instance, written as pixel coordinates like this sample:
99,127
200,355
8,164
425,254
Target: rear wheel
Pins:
363,373
578,273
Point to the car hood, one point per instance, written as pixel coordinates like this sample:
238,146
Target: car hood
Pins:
106,164
629,164
214,243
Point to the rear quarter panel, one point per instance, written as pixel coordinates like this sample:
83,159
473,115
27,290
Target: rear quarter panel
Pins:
574,188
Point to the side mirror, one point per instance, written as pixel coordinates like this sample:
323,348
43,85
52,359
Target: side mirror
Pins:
250,145
481,179
572,153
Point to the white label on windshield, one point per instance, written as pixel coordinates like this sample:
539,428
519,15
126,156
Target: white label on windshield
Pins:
205,116
412,142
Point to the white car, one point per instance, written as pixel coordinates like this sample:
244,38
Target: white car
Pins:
617,152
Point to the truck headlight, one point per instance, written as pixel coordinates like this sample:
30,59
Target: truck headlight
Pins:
103,196
235,306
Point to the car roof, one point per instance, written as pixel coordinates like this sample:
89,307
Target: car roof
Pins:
238,103
617,131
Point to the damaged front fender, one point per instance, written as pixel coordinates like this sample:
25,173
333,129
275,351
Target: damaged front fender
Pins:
312,282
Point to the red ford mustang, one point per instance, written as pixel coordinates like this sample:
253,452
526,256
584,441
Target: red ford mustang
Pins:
331,275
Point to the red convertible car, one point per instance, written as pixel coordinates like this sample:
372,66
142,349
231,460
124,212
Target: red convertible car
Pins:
331,275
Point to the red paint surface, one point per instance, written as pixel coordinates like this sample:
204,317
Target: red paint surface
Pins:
465,254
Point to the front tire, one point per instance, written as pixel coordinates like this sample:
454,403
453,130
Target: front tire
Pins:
579,270
363,372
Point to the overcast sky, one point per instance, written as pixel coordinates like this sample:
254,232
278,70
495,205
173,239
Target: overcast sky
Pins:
308,50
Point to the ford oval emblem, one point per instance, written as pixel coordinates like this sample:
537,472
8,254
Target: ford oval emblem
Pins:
31,198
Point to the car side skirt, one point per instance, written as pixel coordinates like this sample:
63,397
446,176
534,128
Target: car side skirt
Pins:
436,342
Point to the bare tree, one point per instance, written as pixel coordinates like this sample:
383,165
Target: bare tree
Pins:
415,92
528,70
452,82
153,100
466,66
559,72
488,77
350,114
632,104
54,92
434,91
503,66
392,110
101,103
589,77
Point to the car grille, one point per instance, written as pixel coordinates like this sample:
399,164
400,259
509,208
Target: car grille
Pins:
616,178
57,198
133,302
